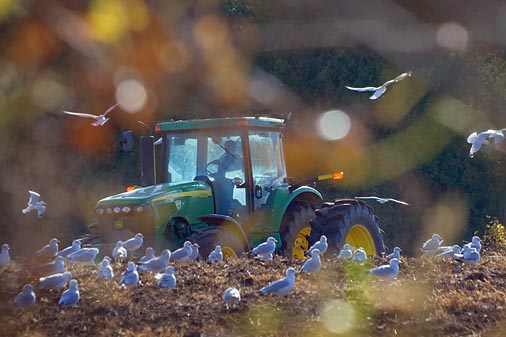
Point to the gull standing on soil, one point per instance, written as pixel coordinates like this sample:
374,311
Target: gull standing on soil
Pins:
129,277
475,243
359,255
71,295
49,250
216,255
76,245
451,251
346,252
183,253
195,251
156,264
395,254
265,248
313,263
134,243
35,204
55,281
57,266
84,255
387,271
99,120
231,297
149,253
468,256
265,257
281,286
167,280
321,245
105,270
119,253
25,298
5,258
431,246
384,200
378,91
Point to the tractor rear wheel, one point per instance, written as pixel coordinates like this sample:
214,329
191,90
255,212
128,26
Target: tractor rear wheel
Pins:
349,221
295,230
207,239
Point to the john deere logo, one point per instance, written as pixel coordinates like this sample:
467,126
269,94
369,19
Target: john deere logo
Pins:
118,224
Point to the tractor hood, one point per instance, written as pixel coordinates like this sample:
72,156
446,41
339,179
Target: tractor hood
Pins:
161,193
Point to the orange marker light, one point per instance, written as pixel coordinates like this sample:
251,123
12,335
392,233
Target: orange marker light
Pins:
337,175
158,128
131,188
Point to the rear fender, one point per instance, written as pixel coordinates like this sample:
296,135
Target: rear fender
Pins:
218,220
284,198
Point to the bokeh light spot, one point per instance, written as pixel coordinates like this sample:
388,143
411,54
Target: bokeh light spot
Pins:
451,35
334,125
131,95
337,316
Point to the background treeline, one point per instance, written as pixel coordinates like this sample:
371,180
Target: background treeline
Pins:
218,59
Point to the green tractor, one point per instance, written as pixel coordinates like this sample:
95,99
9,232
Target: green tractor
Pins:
224,181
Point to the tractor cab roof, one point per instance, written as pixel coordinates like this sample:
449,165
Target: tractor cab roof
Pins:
216,123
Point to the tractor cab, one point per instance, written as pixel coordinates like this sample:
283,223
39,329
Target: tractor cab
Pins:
241,159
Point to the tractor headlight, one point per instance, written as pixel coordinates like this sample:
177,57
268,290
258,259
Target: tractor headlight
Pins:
108,210
99,211
116,210
126,209
138,208
148,209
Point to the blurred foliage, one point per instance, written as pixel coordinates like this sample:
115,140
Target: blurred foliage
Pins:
188,59
495,234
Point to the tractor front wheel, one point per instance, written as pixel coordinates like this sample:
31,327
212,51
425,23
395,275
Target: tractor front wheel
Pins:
295,231
208,238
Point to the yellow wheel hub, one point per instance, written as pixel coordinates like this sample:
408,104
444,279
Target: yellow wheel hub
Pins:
359,236
227,252
301,245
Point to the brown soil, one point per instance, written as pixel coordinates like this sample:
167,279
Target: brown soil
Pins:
430,298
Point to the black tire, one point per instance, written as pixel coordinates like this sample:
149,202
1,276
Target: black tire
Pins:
297,217
207,239
336,219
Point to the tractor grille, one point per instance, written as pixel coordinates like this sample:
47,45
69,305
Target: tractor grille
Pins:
116,227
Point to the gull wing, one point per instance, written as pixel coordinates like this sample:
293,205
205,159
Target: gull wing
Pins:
34,198
363,89
378,92
78,114
276,286
397,79
398,201
375,198
472,137
110,109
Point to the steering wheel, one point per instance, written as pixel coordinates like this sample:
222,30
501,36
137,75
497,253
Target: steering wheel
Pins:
210,172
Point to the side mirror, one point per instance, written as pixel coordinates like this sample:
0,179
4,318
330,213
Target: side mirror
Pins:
127,141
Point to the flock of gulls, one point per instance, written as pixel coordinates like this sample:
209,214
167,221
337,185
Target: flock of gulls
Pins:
53,276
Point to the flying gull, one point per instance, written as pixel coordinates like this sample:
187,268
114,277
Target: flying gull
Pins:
384,200
99,120
35,204
378,91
